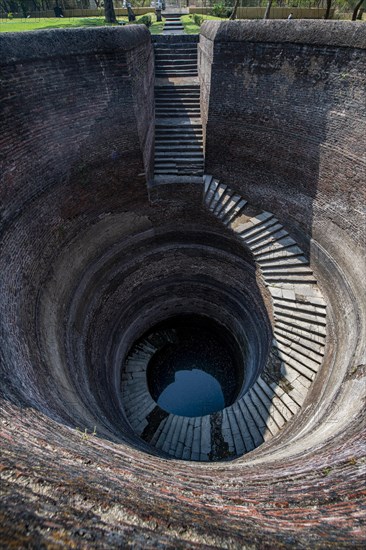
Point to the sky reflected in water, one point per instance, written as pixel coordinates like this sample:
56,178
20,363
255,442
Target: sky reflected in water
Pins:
193,393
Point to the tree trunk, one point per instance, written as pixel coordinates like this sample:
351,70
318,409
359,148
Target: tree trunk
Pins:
355,11
235,9
327,11
109,12
268,9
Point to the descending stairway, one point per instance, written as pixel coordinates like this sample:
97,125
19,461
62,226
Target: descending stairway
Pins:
176,58
173,24
299,308
298,348
178,127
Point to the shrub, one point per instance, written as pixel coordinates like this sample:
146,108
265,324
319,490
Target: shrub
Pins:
197,19
219,10
10,15
145,20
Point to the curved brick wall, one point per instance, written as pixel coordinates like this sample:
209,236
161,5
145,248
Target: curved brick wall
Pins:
88,263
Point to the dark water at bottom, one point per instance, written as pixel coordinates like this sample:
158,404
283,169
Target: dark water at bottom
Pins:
193,393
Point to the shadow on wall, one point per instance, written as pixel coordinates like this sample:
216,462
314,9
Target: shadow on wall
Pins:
283,112
284,119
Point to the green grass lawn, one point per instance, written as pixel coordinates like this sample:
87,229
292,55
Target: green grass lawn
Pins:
18,25
191,28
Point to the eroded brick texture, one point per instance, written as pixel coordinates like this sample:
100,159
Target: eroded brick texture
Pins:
87,263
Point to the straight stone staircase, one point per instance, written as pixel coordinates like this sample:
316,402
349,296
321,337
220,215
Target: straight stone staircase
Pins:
178,127
176,58
173,24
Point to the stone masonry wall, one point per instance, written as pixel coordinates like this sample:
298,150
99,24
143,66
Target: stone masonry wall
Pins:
72,111
286,119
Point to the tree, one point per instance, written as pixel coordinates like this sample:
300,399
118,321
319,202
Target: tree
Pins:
355,11
327,11
109,13
235,9
268,9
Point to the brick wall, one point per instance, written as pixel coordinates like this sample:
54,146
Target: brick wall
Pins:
286,117
72,110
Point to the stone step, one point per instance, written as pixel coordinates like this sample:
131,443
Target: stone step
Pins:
176,139
267,240
297,330
295,313
169,176
179,155
284,396
254,224
205,448
292,261
162,436
273,412
280,269
174,440
177,158
298,355
183,92
187,449
304,326
276,401
162,72
170,433
254,431
244,430
263,233
194,148
179,447
223,201
189,53
226,431
293,301
179,164
305,367
280,254
137,410
311,348
263,411
289,278
234,212
239,445
182,112
177,179
189,91
196,443
260,230
176,47
284,248
157,433
177,65
228,207
173,137
175,102
179,125
216,196
177,106
257,419
211,191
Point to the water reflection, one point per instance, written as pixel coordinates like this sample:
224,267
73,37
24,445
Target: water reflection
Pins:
193,393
